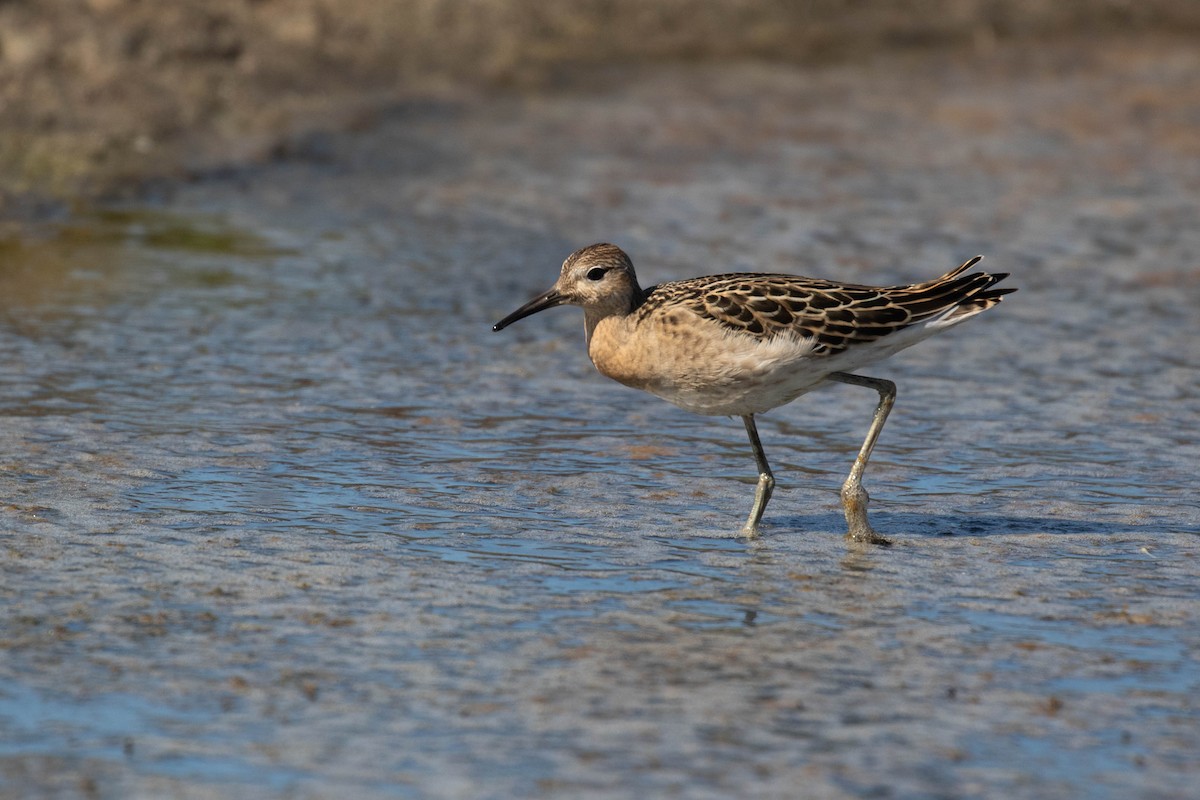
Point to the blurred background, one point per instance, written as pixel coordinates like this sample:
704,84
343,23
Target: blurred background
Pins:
281,517
95,94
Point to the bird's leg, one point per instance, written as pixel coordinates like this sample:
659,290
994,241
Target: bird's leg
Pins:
766,481
854,496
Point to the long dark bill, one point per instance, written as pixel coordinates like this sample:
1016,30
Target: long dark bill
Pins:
547,299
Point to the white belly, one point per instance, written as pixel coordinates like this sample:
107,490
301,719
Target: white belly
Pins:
715,373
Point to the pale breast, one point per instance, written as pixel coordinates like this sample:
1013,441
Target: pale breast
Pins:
704,367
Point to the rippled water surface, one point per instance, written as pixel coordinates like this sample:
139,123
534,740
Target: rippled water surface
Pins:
282,517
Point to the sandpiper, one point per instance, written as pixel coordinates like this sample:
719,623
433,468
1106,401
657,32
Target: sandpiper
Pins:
742,344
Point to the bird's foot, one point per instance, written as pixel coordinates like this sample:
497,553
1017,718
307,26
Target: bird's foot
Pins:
854,503
762,494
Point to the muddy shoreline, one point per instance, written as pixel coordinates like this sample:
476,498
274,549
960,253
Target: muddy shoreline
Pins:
101,96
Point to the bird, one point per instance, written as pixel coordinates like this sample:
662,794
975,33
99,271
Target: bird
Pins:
741,344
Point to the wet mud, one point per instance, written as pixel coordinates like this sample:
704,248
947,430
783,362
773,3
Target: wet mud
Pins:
282,517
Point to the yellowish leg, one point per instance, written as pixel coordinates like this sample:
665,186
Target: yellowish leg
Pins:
854,496
766,481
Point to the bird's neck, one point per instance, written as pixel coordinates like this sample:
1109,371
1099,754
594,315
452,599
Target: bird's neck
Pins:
592,316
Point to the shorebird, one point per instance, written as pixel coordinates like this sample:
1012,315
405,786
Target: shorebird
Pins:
742,344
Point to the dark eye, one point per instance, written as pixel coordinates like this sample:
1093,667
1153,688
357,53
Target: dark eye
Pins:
596,273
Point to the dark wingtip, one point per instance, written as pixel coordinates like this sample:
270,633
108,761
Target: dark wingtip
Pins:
959,270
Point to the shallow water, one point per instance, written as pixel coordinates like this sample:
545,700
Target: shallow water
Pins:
282,517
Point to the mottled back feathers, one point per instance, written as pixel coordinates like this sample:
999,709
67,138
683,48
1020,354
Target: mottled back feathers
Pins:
836,315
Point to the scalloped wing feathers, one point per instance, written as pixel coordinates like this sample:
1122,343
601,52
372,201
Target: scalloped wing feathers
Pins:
835,315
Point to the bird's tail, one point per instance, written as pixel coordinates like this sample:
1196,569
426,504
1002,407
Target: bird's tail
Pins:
954,296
